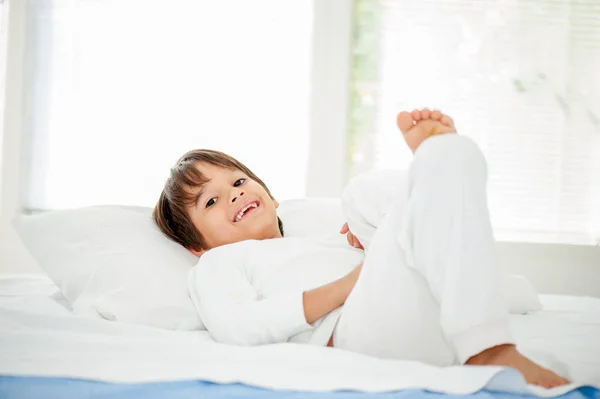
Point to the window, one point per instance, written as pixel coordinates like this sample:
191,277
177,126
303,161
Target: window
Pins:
117,90
519,76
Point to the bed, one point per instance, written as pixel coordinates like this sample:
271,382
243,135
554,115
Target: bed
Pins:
46,351
109,315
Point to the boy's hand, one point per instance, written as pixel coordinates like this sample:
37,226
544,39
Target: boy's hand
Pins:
352,240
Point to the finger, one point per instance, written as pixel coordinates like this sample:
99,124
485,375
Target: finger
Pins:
349,238
436,115
425,113
344,228
356,243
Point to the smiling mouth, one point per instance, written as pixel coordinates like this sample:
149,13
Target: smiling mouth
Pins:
246,210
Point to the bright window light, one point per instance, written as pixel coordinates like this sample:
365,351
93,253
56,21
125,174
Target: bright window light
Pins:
117,90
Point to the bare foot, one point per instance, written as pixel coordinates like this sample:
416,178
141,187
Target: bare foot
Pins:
507,355
417,125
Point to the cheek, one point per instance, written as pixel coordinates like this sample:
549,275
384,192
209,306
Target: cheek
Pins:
210,223
217,220
216,229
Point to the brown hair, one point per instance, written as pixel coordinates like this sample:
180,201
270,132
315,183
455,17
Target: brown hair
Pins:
170,213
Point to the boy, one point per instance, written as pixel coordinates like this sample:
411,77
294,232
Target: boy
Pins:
428,287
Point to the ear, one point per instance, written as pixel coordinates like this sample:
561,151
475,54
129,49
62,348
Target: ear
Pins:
195,252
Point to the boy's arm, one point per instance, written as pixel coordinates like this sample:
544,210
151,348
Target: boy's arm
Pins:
233,312
367,198
322,300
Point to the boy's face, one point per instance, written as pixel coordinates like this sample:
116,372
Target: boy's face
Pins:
231,207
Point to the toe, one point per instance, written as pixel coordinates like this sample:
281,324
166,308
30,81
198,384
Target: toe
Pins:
551,380
416,115
425,113
405,121
563,381
446,120
436,115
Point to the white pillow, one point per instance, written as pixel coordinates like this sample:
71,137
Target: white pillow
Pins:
522,297
114,262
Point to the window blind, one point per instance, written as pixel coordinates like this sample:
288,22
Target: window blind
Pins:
117,90
521,77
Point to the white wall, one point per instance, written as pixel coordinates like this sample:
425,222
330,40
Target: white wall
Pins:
332,27
14,258
10,143
556,269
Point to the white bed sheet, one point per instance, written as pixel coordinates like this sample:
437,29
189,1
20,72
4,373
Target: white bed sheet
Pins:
40,337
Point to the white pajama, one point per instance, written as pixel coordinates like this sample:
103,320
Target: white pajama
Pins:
429,289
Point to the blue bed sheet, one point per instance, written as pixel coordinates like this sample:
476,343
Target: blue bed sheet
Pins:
17,387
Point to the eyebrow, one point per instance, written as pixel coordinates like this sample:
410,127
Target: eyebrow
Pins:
201,192
199,195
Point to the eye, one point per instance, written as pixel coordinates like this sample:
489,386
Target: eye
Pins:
211,202
239,182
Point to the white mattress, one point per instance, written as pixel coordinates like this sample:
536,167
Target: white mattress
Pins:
39,336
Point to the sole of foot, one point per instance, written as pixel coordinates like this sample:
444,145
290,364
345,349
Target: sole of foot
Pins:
418,125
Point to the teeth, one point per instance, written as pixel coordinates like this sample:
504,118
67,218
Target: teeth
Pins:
241,213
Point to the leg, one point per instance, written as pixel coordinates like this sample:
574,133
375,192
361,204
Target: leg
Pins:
463,277
447,237
392,312
429,286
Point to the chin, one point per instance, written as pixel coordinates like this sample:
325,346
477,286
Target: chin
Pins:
264,229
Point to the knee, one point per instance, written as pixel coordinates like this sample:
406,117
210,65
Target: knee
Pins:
451,152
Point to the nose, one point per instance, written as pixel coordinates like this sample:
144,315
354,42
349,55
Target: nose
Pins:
236,197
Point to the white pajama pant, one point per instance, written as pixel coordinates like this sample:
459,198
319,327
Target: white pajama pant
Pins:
429,289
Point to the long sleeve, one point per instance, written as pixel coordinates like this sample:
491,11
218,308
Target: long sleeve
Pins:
232,310
367,198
